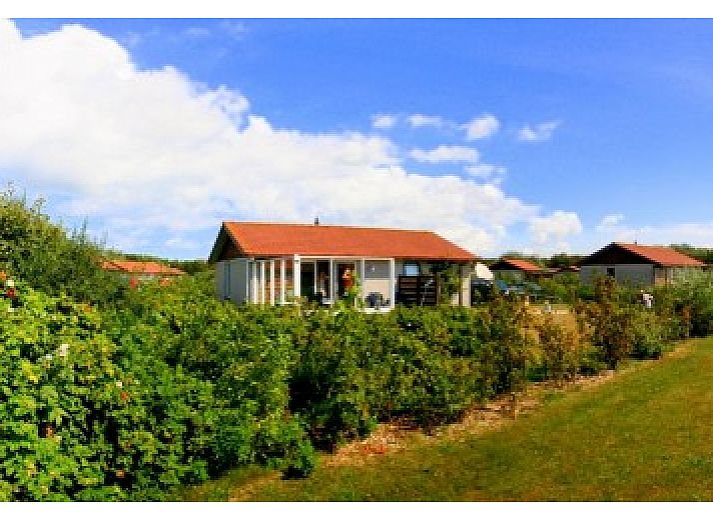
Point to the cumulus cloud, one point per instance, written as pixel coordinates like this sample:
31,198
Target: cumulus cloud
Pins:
481,127
154,158
445,154
420,120
539,132
383,121
555,228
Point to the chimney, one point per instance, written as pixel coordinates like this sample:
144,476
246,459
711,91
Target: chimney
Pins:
316,220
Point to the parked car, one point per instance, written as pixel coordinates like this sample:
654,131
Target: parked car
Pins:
532,291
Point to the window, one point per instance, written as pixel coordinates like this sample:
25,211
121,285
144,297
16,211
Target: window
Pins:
411,269
376,269
611,272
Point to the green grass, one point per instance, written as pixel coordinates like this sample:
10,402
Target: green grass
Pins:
645,435
223,488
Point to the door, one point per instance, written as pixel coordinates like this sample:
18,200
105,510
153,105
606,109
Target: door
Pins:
324,285
345,277
307,280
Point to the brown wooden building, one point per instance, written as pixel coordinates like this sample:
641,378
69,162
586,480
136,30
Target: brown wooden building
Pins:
634,264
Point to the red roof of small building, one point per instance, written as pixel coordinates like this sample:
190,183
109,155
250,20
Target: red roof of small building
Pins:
664,256
280,239
515,264
150,268
658,255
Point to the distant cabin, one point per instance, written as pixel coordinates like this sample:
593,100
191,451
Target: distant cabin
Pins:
517,269
273,263
141,270
634,264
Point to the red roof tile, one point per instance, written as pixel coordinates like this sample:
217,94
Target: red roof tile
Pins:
517,264
664,256
278,239
141,267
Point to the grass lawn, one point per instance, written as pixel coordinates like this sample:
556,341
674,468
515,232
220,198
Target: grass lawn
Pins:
645,435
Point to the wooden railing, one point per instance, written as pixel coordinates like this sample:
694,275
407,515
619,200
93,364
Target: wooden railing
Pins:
417,290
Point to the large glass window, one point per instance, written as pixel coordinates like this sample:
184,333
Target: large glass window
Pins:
376,269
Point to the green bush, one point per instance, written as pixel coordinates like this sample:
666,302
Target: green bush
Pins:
246,353
84,418
53,260
608,322
427,366
694,299
562,352
561,289
650,337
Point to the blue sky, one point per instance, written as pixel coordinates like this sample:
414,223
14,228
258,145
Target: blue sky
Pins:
582,131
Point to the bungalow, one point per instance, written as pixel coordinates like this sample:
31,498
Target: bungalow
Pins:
271,263
141,270
516,269
635,264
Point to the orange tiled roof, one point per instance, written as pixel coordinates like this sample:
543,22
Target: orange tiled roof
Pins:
150,268
519,264
664,256
279,239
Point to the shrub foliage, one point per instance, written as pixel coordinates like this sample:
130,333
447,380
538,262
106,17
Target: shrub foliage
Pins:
110,392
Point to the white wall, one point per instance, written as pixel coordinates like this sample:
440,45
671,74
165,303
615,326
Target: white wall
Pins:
231,280
466,272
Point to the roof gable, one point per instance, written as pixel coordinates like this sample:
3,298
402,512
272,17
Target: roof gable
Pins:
633,253
279,239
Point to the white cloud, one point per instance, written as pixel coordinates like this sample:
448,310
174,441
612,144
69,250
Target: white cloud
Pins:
481,127
383,121
420,120
445,154
609,222
555,228
152,157
538,133
489,172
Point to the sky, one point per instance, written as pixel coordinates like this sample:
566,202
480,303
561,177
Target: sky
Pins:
539,135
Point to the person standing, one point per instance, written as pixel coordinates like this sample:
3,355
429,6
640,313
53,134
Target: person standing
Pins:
347,280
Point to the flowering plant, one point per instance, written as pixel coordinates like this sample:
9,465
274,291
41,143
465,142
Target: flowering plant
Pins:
7,286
